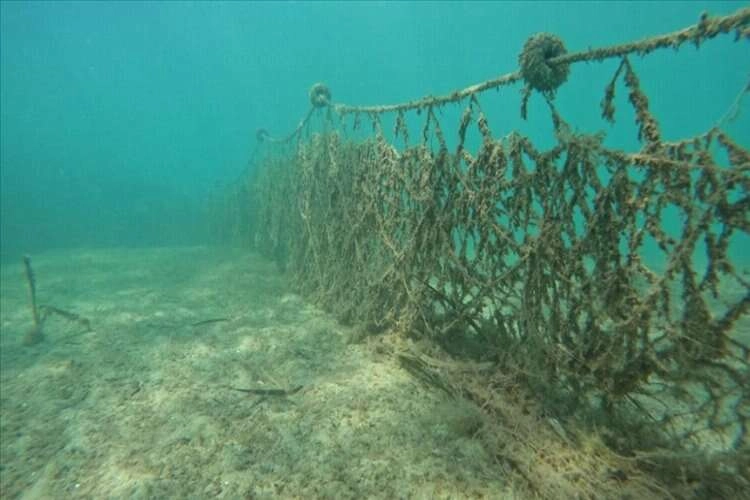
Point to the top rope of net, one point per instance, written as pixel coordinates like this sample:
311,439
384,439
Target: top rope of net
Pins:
544,65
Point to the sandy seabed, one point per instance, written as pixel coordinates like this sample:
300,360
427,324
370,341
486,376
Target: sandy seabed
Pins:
138,407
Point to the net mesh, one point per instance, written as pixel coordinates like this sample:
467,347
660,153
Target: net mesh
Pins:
602,278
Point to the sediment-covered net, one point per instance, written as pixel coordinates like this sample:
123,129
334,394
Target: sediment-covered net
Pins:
605,278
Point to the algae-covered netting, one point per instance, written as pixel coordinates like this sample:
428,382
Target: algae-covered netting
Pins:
542,258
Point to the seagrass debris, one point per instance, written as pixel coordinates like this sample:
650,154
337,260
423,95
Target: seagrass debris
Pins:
34,335
40,313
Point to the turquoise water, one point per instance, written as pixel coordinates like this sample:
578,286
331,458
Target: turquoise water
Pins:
119,124
118,119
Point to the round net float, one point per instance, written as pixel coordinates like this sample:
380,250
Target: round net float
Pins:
320,95
534,60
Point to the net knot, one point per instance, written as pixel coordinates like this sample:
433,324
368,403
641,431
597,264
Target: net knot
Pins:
534,61
320,95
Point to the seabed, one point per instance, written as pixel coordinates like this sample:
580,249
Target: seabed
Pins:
139,406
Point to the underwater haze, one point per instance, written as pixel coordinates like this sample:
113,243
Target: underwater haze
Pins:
551,306
119,118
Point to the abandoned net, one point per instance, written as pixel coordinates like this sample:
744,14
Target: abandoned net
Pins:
556,261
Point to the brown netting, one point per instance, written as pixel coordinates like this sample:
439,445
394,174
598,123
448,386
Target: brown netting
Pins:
535,260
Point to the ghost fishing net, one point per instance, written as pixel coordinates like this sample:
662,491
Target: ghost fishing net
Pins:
541,259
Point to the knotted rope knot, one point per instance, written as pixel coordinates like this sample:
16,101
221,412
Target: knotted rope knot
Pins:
534,60
320,95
